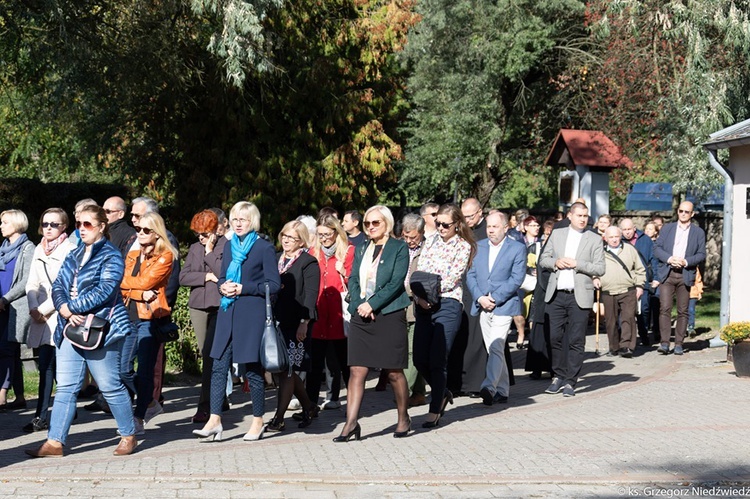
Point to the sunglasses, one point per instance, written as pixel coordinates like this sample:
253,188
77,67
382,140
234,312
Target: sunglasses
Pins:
145,230
684,211
374,223
109,212
86,225
444,225
204,235
54,225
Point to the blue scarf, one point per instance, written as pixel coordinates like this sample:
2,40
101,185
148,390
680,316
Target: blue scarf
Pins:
240,250
10,251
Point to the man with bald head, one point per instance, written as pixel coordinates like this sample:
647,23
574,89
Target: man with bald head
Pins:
621,287
496,274
645,247
472,212
120,233
680,248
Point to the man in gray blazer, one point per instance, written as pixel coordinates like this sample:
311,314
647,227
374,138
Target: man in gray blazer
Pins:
574,256
680,248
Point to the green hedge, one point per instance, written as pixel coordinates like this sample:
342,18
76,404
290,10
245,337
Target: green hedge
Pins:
182,355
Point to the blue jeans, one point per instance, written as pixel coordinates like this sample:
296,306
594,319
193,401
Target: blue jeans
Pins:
434,333
691,313
71,369
144,347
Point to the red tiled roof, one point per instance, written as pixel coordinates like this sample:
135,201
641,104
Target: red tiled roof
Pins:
587,148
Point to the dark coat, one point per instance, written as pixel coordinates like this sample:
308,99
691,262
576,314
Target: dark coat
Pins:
390,294
98,289
299,293
203,294
645,247
121,235
695,253
243,322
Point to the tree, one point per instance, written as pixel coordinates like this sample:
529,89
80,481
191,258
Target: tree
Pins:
479,83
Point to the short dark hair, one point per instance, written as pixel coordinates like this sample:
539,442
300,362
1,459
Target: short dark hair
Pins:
354,215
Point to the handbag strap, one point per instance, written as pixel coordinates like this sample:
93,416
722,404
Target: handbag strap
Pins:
269,309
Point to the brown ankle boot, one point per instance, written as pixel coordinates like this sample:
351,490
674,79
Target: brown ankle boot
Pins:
126,446
46,450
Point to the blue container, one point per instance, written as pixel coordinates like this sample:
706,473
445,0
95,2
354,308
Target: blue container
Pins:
649,196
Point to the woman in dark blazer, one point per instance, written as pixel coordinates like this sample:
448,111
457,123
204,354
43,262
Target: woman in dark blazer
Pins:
295,311
249,262
201,272
377,333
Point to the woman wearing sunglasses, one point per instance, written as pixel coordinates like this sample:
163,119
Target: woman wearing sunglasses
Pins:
377,334
447,254
89,283
335,256
201,272
147,270
46,264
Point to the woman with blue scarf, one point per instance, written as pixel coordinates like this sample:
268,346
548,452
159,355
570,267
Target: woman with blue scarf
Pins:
16,253
248,263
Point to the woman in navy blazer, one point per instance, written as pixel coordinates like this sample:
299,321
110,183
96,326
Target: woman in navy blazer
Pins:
377,333
248,263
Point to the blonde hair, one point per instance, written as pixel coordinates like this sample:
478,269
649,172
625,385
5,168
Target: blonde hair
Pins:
249,211
387,216
17,219
300,229
342,241
155,222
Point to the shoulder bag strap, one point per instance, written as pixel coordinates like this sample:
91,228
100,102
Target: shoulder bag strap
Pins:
269,309
622,264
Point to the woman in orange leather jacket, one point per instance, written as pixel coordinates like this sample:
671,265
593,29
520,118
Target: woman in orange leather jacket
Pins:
148,266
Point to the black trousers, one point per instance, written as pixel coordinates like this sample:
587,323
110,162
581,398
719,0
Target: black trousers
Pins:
567,334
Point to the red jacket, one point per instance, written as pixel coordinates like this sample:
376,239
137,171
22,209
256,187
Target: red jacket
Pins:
330,323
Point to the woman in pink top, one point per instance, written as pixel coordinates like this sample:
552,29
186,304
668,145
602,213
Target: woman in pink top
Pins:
335,257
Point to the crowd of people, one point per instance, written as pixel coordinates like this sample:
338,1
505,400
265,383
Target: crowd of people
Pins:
428,300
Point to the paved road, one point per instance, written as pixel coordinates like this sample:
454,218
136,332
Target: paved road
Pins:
646,426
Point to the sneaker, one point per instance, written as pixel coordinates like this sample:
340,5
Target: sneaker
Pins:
152,412
329,405
663,349
678,350
569,391
555,387
294,405
37,424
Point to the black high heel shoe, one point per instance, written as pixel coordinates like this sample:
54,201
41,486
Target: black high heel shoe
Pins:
356,433
448,399
307,417
402,434
275,425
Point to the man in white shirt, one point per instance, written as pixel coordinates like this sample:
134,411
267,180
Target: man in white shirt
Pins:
574,256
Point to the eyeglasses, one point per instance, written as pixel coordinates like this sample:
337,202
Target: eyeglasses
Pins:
145,230
291,238
473,214
684,211
326,235
204,235
242,221
86,225
109,212
444,225
136,216
54,225
374,223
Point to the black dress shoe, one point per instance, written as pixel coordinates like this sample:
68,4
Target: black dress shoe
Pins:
626,353
275,425
555,386
535,375
475,395
487,396
500,399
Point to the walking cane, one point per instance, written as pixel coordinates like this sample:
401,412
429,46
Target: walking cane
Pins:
598,306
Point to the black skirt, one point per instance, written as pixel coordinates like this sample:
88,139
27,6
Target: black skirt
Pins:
381,343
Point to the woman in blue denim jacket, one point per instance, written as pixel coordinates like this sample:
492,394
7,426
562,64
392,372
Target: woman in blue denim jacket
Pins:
89,283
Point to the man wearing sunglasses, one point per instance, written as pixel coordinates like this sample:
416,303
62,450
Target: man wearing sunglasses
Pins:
120,233
680,248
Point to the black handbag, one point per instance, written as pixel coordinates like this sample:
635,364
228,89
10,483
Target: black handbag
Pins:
164,329
426,286
90,335
274,356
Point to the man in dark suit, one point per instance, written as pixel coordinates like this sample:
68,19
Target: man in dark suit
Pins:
496,274
680,248
575,256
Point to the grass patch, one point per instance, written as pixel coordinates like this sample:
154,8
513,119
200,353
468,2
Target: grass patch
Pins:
708,312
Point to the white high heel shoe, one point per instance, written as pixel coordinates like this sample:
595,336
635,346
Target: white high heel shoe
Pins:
250,437
212,435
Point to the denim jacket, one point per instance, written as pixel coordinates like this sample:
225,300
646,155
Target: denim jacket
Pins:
98,289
